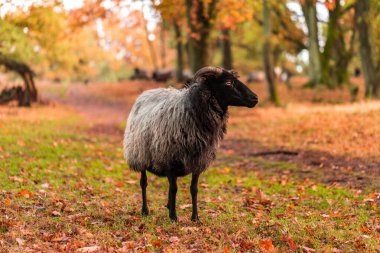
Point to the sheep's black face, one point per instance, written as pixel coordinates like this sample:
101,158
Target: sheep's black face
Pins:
229,91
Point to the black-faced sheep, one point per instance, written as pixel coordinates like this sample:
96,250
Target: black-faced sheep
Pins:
172,133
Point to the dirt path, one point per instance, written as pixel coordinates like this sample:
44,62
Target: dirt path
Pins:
108,115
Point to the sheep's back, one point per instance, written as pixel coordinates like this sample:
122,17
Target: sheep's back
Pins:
146,126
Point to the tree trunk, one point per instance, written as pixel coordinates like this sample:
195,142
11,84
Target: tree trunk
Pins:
327,62
150,45
25,72
199,23
178,36
226,49
310,13
163,46
365,48
268,55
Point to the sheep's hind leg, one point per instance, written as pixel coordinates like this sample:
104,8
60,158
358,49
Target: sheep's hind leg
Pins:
172,196
144,184
194,192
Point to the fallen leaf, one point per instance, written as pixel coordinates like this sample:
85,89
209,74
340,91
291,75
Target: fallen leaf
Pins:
185,206
45,185
56,213
226,249
267,246
289,240
89,249
7,202
157,244
261,197
174,239
16,179
20,241
119,184
20,142
308,249
25,193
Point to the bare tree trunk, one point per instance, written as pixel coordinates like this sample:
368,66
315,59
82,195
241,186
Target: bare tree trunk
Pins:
226,49
199,23
26,73
178,36
163,46
310,13
150,44
268,55
365,47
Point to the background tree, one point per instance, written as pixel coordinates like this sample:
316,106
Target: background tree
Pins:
200,17
371,74
268,54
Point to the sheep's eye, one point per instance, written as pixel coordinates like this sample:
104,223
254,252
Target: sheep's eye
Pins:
229,82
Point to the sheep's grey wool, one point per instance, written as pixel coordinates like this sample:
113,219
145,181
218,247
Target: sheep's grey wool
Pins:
170,127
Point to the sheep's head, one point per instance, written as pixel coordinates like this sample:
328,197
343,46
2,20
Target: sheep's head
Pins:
226,87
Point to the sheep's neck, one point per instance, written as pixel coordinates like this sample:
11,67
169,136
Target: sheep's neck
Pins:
211,117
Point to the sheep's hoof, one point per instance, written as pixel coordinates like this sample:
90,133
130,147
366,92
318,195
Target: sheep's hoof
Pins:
145,212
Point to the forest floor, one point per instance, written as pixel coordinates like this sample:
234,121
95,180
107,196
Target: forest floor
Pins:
304,177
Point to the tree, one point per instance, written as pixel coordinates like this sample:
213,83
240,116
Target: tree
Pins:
226,49
371,76
200,17
310,12
268,54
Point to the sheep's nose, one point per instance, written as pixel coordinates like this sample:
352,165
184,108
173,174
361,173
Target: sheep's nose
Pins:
253,100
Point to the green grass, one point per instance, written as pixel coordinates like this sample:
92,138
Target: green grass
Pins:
81,194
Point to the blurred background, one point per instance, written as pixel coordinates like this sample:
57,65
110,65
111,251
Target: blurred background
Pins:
298,173
319,51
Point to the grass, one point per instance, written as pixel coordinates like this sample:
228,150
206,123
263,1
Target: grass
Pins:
64,189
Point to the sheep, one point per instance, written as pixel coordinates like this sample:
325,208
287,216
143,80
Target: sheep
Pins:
162,75
172,133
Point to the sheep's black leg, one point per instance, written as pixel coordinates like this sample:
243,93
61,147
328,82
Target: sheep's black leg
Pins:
172,196
194,192
144,184
169,196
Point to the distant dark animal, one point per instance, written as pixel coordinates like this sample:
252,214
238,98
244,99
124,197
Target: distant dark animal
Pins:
172,133
357,72
255,76
14,93
162,75
139,74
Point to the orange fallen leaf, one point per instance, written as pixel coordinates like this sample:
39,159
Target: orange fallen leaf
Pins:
89,249
7,202
16,179
20,142
157,244
364,229
226,249
119,184
261,197
267,246
289,240
25,193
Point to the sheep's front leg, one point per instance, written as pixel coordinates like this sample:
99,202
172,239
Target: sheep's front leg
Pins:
172,196
144,184
194,192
